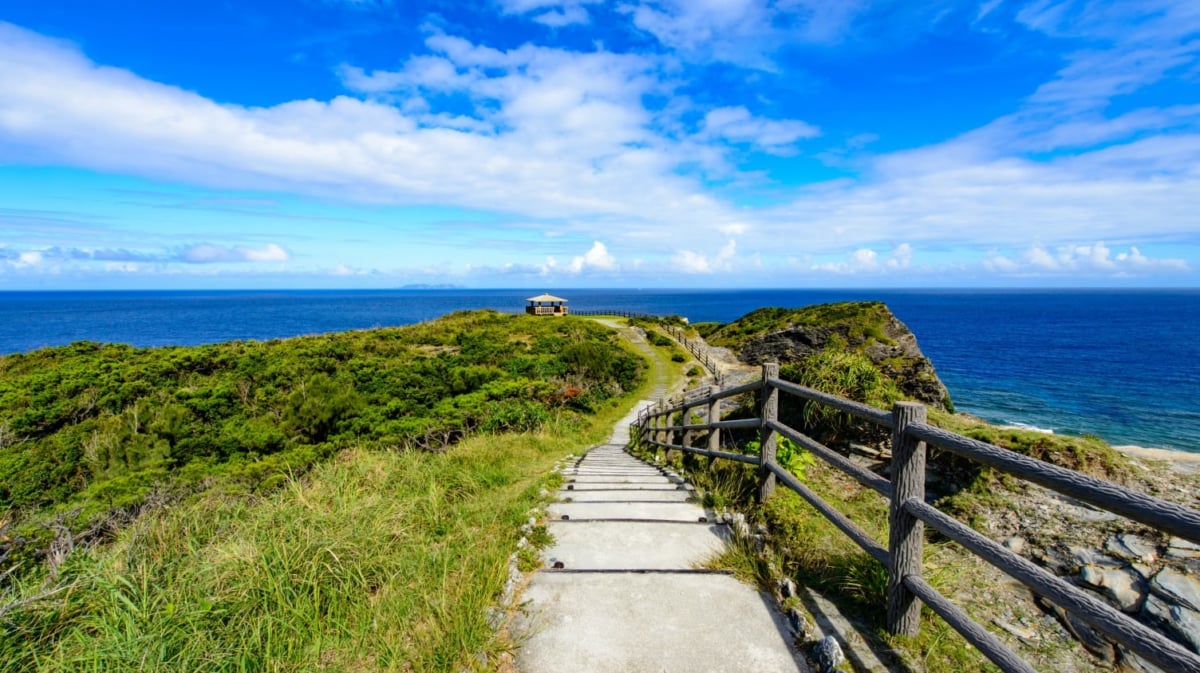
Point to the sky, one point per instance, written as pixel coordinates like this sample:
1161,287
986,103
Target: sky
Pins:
599,143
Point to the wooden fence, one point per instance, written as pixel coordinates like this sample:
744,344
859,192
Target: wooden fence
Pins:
667,426
614,313
698,351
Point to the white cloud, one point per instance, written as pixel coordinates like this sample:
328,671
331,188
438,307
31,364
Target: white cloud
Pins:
207,253
558,134
866,260
28,258
690,261
566,140
597,258
566,16
744,32
553,13
736,124
1096,259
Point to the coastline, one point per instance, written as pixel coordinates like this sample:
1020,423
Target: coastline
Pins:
1180,461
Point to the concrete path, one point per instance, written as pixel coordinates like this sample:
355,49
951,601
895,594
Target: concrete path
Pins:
622,590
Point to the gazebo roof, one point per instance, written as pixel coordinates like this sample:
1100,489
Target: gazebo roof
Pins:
546,297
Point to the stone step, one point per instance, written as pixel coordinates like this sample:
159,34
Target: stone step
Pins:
609,545
643,511
626,496
651,623
622,479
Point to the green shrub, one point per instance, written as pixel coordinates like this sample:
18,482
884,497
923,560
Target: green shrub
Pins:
96,427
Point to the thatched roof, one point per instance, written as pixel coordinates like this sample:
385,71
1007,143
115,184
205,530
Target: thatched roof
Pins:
546,298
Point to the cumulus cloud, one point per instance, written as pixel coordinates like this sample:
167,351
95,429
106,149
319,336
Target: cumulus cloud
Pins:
744,32
866,260
554,133
553,13
690,261
737,125
1096,259
597,258
207,253
568,141
129,260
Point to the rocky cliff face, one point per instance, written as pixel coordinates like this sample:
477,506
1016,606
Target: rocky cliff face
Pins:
868,327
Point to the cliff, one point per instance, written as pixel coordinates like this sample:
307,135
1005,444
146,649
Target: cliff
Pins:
866,328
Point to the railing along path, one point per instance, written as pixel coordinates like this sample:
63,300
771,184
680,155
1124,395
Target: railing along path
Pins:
698,351
667,426
604,313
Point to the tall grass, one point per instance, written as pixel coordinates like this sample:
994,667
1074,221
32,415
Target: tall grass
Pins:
373,561
808,548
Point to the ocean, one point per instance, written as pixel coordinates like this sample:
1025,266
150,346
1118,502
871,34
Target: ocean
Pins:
1120,364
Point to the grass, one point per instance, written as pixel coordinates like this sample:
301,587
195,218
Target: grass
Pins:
374,560
89,433
809,549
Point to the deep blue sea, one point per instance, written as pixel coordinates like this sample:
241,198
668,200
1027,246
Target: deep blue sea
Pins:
1121,364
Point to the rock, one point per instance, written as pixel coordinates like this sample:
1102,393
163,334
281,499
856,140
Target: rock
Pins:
1137,664
787,588
1016,544
1177,588
1132,547
828,654
1092,640
859,326
1180,622
1086,556
737,521
495,618
1054,560
1028,636
797,622
1123,587
1179,548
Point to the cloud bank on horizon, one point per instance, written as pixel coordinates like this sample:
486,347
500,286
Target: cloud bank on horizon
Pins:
593,142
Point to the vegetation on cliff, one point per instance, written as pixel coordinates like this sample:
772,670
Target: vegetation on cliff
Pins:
91,430
832,339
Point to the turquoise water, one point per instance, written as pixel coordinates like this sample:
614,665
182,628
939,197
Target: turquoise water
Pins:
1119,364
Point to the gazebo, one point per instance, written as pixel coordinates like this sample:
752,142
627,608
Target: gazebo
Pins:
546,304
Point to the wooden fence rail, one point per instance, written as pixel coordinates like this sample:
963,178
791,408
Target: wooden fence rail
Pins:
668,425
699,352
616,313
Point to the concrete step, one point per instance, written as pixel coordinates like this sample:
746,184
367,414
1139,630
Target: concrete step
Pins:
621,479
626,496
651,623
643,511
610,545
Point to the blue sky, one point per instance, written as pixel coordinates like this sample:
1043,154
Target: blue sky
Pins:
593,143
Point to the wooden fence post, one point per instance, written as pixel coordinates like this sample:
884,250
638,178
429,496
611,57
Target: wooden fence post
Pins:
767,435
907,533
659,422
684,435
714,415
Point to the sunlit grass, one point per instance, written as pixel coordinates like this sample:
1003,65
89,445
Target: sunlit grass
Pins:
372,561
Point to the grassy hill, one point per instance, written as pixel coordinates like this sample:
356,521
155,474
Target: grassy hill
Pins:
89,431
338,502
